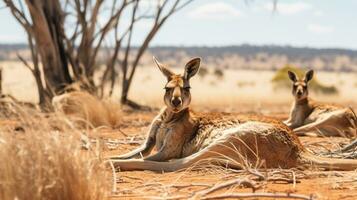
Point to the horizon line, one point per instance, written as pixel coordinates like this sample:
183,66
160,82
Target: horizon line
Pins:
223,46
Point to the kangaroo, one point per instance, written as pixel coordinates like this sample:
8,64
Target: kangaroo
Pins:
185,139
84,107
308,117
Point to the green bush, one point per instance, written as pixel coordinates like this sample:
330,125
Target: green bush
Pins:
218,73
281,80
203,72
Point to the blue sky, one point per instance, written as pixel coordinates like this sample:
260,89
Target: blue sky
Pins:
313,23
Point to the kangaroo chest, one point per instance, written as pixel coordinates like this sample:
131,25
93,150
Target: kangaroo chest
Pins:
300,114
160,136
173,136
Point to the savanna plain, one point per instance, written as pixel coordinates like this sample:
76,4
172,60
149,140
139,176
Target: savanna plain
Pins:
58,152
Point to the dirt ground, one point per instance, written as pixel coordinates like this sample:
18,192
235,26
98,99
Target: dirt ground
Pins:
188,184
313,183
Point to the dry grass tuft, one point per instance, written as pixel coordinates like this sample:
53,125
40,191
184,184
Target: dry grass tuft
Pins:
88,110
38,163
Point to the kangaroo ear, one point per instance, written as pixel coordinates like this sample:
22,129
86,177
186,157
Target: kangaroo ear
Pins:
168,73
292,76
309,75
192,67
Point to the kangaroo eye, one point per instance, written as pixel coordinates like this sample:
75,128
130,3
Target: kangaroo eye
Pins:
167,89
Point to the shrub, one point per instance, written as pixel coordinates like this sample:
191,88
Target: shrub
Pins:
203,72
241,84
42,164
218,73
86,109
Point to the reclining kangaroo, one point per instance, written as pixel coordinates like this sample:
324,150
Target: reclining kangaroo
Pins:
186,139
308,117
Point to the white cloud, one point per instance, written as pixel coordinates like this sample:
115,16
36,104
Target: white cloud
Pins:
320,29
150,3
217,10
288,8
319,13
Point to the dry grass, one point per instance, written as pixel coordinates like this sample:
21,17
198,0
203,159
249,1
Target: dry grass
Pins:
39,163
88,110
47,163
148,83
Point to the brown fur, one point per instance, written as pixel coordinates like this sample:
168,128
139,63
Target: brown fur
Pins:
88,109
308,117
186,139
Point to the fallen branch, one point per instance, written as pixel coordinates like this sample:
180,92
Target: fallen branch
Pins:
122,132
262,195
191,185
281,179
348,147
245,182
114,189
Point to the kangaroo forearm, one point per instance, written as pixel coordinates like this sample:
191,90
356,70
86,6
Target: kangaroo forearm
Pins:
159,157
133,154
142,151
287,122
145,149
294,125
164,154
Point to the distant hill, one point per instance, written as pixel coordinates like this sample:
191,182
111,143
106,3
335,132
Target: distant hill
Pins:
12,47
268,57
249,50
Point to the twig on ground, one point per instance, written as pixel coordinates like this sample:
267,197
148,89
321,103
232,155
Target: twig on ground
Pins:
255,172
114,188
281,179
191,185
349,147
255,195
130,177
245,182
122,132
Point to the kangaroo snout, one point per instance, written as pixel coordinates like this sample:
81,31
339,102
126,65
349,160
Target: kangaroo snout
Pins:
176,101
299,92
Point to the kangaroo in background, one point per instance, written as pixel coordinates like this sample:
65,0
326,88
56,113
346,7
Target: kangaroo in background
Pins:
185,139
308,117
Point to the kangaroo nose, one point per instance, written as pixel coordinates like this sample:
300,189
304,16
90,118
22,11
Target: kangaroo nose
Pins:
176,102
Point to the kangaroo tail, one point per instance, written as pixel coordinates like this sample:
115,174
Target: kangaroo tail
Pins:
216,154
139,164
309,160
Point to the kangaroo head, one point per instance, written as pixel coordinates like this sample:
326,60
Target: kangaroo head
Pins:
177,89
300,89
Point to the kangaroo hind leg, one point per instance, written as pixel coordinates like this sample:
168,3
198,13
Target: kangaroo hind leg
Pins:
330,125
234,148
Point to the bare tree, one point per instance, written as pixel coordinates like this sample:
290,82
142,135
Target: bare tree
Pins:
66,36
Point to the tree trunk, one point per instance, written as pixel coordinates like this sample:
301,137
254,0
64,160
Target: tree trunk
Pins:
47,18
0,81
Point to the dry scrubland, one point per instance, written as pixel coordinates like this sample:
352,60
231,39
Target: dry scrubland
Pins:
48,156
234,87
